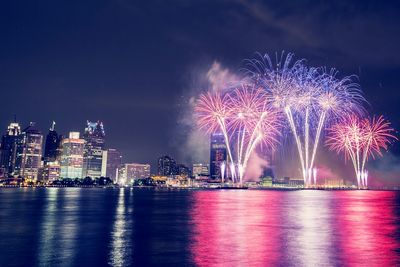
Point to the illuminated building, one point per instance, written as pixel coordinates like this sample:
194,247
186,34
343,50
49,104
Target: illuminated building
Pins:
52,171
129,172
167,166
29,153
8,150
93,152
182,170
52,145
72,156
218,154
200,169
112,159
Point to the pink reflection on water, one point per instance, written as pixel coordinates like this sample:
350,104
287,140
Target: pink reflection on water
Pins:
232,228
367,226
302,228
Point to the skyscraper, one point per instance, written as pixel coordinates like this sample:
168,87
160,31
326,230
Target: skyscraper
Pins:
8,150
167,166
93,152
218,154
29,153
72,156
112,159
52,145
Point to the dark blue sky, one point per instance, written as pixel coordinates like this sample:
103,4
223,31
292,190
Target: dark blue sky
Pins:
131,63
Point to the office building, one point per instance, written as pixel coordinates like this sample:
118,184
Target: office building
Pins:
167,166
183,170
129,172
51,171
94,137
200,169
52,146
218,154
72,156
112,159
8,149
29,153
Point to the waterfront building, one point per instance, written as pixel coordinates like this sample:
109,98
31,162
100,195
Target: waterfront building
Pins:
218,154
200,169
167,166
112,159
52,146
129,172
72,156
8,149
29,153
51,171
183,170
94,137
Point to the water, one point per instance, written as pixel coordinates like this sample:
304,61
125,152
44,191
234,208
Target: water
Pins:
145,227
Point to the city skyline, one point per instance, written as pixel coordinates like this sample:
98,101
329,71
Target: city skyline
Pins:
141,91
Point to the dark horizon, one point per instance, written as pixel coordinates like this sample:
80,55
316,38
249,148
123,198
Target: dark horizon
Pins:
135,66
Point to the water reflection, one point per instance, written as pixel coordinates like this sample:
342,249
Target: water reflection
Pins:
232,228
367,225
303,228
121,243
48,227
96,227
59,225
308,230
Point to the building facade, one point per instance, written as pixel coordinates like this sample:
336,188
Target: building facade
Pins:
29,153
93,152
218,154
129,172
52,171
52,151
200,169
72,156
8,150
112,159
167,166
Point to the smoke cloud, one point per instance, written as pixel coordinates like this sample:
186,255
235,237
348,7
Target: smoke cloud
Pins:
384,171
255,167
195,145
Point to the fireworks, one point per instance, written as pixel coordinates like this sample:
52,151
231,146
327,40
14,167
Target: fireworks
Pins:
360,139
245,117
308,99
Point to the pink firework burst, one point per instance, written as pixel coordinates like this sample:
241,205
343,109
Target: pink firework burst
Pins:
212,110
377,135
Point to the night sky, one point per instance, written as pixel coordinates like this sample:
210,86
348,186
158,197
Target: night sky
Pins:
134,64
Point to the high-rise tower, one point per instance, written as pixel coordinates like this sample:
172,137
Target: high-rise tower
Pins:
52,145
218,154
29,153
8,150
72,156
93,152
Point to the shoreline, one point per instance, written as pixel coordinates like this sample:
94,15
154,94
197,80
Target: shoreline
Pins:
201,188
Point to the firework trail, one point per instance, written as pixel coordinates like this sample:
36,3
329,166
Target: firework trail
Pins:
359,139
310,98
245,117
213,110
